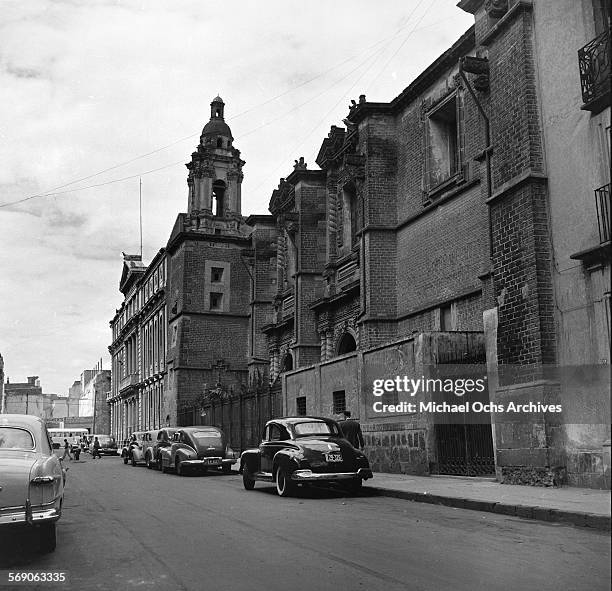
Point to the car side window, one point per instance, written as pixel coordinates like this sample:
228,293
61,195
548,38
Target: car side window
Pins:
275,433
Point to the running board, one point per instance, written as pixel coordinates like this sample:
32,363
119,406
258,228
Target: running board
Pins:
267,476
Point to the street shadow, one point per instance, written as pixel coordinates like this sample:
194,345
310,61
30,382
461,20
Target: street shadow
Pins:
20,547
315,492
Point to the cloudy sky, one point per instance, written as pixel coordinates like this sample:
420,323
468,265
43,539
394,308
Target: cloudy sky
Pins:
96,93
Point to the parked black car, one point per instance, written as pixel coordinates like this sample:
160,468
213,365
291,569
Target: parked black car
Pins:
302,450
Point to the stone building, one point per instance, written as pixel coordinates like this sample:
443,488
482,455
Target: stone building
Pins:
449,220
188,332
25,398
138,351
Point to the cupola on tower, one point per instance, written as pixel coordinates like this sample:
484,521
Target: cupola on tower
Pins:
215,170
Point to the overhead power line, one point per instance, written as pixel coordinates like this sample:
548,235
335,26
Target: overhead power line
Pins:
56,190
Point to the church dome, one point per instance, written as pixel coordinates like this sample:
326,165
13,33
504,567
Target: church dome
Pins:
217,126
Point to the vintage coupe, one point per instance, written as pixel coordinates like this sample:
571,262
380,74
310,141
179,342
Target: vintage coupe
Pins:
196,448
31,477
302,450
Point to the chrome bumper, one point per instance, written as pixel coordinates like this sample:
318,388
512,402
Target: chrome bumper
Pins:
16,515
212,462
309,475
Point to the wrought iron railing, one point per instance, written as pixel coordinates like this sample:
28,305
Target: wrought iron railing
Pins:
594,63
602,202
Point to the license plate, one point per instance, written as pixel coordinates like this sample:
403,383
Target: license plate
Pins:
212,461
333,457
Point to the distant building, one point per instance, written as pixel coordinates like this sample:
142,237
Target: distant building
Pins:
25,398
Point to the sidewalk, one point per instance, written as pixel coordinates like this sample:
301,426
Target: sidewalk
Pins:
578,506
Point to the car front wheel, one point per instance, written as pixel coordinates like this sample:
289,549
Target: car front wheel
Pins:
177,468
125,459
285,487
149,462
47,538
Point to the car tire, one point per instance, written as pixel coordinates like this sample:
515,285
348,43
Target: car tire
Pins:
285,487
354,486
133,461
158,464
47,537
125,459
162,468
177,468
247,480
149,462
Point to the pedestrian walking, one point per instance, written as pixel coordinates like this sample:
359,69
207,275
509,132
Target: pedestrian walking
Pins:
66,450
96,449
351,430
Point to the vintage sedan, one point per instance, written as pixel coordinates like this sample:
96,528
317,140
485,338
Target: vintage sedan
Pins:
302,450
197,448
31,477
133,450
108,444
156,440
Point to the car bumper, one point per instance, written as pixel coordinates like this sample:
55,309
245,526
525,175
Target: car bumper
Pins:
310,476
209,462
42,514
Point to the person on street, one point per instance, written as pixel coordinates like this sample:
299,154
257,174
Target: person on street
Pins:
66,450
352,430
96,449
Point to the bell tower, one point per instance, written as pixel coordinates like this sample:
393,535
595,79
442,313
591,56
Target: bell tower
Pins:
215,171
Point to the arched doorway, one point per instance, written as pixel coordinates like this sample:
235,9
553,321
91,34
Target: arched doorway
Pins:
346,344
287,364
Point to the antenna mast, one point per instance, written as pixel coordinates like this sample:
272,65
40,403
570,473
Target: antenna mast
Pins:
140,213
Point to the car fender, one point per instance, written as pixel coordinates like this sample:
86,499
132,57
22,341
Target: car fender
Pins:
287,458
165,455
251,459
185,453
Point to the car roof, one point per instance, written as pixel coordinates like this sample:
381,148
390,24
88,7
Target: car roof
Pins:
17,420
200,428
300,419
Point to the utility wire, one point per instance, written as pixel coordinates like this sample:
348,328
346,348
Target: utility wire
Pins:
55,191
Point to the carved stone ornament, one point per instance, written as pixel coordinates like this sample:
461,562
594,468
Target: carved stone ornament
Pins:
496,8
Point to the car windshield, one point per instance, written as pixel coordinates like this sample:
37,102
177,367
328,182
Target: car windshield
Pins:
105,439
207,437
13,438
315,428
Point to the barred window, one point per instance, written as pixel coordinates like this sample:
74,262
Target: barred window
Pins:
339,400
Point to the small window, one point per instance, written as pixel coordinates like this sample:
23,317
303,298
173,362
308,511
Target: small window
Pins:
216,301
390,397
442,143
300,406
219,143
446,321
339,402
216,274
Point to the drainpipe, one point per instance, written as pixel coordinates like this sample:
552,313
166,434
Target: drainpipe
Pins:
480,66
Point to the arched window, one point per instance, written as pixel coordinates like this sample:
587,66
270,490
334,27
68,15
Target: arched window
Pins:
347,344
219,195
219,142
287,364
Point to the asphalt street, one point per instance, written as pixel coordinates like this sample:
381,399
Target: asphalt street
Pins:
128,528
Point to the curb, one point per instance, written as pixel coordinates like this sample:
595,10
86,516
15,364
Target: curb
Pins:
590,520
